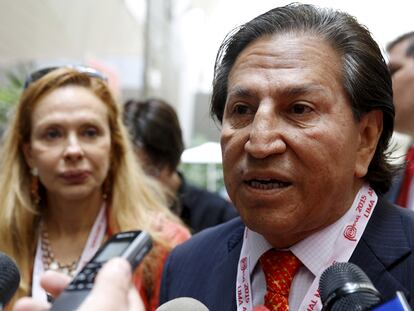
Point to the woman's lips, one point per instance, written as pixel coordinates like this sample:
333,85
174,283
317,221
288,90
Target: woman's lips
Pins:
75,177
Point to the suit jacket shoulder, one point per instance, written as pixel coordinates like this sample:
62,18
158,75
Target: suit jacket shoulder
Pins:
385,251
205,267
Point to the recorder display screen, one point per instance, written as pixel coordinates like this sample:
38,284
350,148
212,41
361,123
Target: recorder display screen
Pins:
112,250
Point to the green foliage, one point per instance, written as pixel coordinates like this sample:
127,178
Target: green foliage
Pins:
208,176
9,95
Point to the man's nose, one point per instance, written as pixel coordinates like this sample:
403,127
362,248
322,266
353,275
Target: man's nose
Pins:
73,149
266,134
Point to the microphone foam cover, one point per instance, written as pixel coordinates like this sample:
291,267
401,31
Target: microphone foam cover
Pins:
9,278
182,304
336,277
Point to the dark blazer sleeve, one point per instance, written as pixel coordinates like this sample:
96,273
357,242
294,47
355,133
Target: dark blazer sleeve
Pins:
385,251
205,267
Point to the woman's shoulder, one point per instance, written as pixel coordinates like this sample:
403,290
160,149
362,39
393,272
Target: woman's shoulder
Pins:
171,231
148,276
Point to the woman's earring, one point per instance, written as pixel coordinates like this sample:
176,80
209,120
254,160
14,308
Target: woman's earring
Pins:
106,189
34,186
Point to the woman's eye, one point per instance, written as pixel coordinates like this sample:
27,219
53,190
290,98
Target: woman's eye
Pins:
91,132
301,109
52,133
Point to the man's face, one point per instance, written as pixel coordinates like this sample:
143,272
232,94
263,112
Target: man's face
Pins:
402,70
293,155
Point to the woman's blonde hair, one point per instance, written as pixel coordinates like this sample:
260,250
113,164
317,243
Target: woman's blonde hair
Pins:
133,197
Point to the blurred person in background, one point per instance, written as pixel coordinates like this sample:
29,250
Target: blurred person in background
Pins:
70,180
401,65
156,135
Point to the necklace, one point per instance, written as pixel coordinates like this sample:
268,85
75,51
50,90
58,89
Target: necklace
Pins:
48,258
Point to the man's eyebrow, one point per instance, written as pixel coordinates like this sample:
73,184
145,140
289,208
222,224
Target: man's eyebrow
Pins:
241,92
301,90
289,91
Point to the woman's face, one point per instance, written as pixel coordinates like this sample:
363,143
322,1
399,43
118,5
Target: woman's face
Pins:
70,143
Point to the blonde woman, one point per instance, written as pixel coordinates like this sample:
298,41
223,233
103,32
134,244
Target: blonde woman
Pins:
69,180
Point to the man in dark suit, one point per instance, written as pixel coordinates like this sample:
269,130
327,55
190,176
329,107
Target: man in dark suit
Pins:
304,97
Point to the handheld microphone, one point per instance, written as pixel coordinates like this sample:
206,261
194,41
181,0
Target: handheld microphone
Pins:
182,304
9,279
344,286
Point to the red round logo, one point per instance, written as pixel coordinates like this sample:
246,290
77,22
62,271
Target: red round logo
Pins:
243,264
350,232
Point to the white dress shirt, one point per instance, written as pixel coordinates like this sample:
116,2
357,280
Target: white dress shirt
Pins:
315,252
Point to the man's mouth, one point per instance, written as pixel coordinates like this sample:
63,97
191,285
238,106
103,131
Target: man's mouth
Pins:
267,184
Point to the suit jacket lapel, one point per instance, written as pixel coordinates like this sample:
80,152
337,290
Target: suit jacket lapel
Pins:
383,244
224,293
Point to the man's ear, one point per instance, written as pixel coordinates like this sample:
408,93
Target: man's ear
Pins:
370,129
27,151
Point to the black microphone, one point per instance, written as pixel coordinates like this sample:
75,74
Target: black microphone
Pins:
344,286
9,279
183,304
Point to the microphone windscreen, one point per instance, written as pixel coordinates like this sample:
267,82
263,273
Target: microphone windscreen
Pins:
9,278
344,286
183,304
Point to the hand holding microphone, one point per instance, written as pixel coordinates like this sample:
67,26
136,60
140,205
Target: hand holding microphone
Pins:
112,290
113,287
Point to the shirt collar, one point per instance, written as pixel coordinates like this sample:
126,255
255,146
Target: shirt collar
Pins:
310,250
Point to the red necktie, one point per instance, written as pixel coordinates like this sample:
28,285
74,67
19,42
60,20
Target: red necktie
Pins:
402,199
279,268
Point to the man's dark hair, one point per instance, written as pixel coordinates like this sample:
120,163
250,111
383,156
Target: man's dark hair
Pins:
366,78
154,127
407,36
